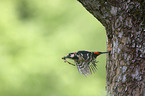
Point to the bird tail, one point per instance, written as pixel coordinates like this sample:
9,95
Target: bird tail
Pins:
106,52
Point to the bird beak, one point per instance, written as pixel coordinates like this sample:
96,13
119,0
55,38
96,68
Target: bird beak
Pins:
64,57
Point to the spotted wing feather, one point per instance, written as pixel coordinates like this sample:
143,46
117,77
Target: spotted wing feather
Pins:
86,68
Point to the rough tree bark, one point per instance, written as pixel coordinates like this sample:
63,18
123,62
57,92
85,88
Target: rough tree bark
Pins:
124,21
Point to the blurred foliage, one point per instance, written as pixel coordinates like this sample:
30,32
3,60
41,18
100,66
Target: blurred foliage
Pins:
34,35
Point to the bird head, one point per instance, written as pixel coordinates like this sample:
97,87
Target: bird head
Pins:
70,56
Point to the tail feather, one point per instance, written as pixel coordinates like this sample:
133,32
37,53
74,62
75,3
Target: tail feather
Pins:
104,52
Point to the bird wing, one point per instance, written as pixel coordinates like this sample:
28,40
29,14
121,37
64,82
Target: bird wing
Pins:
86,67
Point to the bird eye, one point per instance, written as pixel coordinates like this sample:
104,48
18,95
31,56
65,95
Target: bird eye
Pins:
72,55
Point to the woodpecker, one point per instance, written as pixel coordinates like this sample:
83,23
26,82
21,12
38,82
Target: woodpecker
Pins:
84,60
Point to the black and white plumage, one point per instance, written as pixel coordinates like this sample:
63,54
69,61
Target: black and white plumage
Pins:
84,60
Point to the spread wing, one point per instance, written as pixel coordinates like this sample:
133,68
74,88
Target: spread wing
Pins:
86,67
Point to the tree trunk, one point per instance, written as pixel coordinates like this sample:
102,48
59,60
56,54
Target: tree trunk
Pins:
124,21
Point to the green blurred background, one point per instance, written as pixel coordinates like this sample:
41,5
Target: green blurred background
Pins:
34,35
